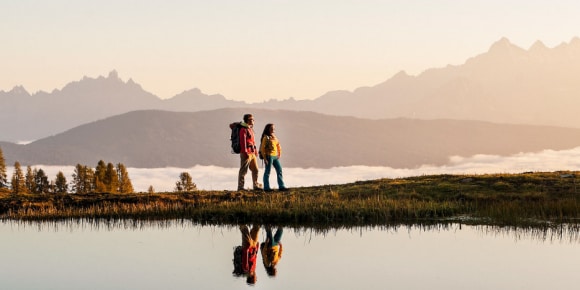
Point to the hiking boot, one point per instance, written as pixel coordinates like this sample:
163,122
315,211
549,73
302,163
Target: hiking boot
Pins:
258,186
268,190
283,189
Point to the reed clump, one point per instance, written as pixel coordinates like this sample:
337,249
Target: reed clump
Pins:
492,198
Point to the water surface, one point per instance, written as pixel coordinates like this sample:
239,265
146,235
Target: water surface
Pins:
183,255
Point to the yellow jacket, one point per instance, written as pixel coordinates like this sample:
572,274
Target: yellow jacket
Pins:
270,146
271,255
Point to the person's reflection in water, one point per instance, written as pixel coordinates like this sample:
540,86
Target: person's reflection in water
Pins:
246,254
272,250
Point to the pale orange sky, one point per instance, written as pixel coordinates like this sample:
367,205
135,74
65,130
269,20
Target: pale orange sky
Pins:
258,50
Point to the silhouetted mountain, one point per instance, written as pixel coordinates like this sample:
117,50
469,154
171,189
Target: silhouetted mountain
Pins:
183,139
28,117
194,100
506,84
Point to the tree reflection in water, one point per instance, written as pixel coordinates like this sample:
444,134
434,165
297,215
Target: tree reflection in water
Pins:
550,232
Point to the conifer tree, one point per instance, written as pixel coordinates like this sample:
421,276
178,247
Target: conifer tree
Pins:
29,180
60,183
3,174
151,190
51,187
100,177
185,183
125,185
89,181
18,180
83,179
111,179
78,177
41,181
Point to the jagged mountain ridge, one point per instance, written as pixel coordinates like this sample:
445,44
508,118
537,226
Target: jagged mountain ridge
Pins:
43,114
151,139
506,84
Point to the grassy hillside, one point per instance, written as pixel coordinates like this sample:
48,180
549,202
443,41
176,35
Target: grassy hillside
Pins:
504,199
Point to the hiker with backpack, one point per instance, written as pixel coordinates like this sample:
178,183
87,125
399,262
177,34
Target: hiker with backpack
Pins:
243,142
250,246
245,255
270,151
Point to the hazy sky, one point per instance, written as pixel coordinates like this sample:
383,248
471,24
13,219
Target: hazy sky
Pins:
257,50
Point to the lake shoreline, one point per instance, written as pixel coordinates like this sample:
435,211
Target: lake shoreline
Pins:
529,198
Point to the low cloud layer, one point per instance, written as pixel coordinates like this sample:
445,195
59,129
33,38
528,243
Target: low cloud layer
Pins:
219,178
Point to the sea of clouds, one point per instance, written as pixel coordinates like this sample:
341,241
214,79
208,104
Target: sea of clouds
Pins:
220,178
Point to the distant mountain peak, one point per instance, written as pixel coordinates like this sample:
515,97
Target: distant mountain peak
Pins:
575,41
539,49
195,91
19,90
132,83
503,49
191,93
503,45
538,46
113,75
401,74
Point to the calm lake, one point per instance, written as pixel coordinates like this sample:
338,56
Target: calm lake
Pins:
183,255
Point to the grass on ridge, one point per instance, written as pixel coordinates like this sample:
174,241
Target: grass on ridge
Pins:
490,198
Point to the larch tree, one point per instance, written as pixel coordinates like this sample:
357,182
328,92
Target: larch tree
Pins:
89,180
125,185
78,177
41,181
60,185
111,179
3,174
100,177
83,179
29,179
18,180
185,183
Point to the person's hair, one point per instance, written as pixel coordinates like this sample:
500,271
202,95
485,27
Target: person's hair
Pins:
247,117
267,130
251,279
271,270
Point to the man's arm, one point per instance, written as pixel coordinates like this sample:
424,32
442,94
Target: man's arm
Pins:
243,140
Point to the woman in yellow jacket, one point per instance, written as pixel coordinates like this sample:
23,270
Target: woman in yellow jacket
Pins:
270,151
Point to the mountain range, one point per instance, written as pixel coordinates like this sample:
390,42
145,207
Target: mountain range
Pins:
153,139
506,84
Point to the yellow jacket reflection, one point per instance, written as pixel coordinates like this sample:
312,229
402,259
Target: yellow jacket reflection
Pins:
271,250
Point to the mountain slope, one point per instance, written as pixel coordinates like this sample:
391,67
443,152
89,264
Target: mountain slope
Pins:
183,139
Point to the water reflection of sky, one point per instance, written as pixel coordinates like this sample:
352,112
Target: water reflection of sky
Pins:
185,256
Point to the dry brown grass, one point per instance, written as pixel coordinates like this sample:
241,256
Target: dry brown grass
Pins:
494,198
